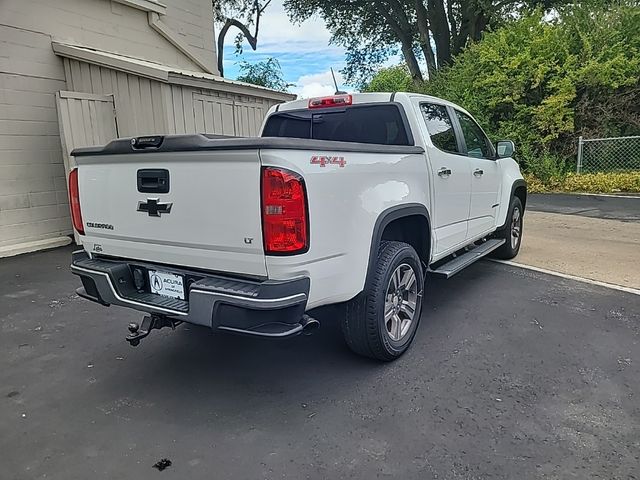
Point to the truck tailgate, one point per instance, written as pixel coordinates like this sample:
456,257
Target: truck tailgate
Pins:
209,219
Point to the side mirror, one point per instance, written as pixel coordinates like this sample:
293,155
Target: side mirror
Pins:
505,148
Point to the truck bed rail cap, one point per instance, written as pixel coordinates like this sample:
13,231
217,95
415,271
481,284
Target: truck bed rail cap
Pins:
191,143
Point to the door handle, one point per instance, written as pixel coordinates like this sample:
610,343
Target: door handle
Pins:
444,172
478,172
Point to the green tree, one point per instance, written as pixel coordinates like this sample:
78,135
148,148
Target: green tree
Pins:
373,30
266,74
543,82
391,79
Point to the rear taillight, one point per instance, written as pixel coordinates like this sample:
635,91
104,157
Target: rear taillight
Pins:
285,228
74,202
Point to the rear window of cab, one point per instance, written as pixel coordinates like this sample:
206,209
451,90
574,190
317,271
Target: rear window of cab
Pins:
377,124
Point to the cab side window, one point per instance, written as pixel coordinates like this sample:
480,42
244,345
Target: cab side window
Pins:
478,145
440,127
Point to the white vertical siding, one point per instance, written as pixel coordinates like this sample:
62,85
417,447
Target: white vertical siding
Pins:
33,195
85,119
145,106
213,114
117,28
193,21
229,114
139,103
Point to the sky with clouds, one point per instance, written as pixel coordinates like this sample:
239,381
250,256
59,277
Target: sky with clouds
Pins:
303,51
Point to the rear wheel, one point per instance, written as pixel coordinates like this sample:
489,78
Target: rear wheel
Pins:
512,232
382,321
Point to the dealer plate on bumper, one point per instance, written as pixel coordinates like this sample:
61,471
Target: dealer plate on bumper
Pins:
167,284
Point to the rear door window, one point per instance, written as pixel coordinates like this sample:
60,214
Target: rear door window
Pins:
378,124
440,127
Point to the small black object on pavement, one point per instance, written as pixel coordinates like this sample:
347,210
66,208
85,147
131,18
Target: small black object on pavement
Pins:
162,464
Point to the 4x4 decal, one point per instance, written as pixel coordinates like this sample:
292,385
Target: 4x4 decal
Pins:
323,160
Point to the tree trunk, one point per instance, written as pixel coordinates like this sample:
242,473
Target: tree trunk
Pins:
412,63
405,38
440,28
452,24
425,37
427,51
232,22
479,25
472,24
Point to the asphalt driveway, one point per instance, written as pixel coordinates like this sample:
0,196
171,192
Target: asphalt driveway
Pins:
513,374
625,208
590,236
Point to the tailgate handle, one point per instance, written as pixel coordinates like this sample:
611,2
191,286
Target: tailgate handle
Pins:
153,180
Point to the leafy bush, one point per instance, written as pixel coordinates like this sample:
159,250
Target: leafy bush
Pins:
535,185
603,182
543,82
627,182
391,79
544,165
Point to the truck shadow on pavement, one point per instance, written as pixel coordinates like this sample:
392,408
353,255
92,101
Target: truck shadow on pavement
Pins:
195,359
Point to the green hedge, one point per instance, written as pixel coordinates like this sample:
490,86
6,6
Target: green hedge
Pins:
542,83
628,182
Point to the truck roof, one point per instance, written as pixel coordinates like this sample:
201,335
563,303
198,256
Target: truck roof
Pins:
359,98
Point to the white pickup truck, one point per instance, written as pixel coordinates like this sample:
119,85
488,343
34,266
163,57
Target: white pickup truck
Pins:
348,199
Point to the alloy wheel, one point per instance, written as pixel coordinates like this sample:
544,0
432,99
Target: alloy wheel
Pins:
400,302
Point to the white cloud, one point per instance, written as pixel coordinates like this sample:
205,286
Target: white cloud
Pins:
278,33
276,28
316,85
314,89
303,51
322,78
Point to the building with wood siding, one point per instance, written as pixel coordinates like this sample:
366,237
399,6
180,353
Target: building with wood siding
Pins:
81,72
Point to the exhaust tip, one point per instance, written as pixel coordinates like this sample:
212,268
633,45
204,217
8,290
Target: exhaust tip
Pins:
309,324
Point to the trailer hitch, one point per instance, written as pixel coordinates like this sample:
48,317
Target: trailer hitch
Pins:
150,322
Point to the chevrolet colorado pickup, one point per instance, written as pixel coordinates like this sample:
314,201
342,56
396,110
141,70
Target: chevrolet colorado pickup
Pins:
348,199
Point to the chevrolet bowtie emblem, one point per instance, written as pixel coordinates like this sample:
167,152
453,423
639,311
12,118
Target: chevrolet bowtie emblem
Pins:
154,208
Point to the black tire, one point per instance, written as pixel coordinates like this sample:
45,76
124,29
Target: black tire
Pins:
364,326
510,249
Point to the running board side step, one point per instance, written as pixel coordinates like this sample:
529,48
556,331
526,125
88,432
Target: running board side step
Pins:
461,262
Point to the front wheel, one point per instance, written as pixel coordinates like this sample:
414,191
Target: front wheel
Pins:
512,232
381,322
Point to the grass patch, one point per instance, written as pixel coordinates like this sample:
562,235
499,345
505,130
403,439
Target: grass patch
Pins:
622,182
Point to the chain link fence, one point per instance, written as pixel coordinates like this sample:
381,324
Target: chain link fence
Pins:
615,154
